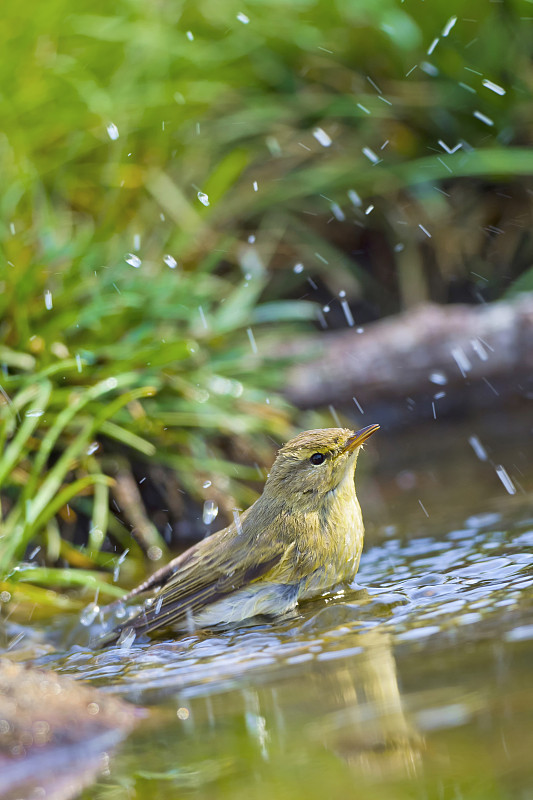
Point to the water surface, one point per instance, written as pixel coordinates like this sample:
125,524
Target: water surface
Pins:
415,682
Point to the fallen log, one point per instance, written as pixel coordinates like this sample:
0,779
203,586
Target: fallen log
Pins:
429,351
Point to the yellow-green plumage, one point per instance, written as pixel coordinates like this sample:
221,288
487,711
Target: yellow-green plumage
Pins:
303,536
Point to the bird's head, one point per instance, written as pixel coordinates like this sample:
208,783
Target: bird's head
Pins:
315,463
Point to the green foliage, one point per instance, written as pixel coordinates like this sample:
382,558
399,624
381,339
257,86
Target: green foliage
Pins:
158,362
204,101
145,385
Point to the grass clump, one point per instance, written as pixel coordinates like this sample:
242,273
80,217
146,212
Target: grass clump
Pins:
160,382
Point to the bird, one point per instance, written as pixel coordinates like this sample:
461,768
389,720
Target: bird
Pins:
302,537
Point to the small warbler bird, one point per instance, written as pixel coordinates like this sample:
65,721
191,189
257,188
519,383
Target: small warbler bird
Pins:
304,535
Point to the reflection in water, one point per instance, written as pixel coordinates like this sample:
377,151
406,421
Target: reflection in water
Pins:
313,715
370,730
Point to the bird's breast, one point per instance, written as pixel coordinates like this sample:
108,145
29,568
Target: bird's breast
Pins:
341,533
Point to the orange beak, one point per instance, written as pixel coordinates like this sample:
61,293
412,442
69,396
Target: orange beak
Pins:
359,437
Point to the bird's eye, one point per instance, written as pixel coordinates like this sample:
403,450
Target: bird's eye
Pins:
317,458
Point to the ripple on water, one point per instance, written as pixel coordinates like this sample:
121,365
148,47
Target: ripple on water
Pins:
412,591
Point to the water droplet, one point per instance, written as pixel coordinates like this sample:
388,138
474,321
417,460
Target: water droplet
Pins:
370,155
89,614
120,610
322,137
478,448
354,198
439,378
483,118
449,25
126,638
206,484
347,313
154,553
298,268
494,87
243,18
503,475
48,300
337,212
203,198
112,131
93,447
170,261
210,512
133,260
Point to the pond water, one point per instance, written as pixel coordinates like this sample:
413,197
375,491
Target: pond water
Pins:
417,682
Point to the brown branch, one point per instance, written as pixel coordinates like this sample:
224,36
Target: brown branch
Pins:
412,352
130,503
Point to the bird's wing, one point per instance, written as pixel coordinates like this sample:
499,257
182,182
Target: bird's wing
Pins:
199,577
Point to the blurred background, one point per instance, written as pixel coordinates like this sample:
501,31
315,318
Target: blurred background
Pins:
190,190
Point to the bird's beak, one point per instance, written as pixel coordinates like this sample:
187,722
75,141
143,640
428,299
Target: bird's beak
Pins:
359,437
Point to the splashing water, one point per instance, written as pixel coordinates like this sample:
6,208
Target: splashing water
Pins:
322,137
170,261
133,260
210,512
112,131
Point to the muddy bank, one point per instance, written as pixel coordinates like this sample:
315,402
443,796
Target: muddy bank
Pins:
54,732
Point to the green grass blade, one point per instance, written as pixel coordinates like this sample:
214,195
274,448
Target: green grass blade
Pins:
58,472
100,515
62,498
15,449
66,578
130,439
12,358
